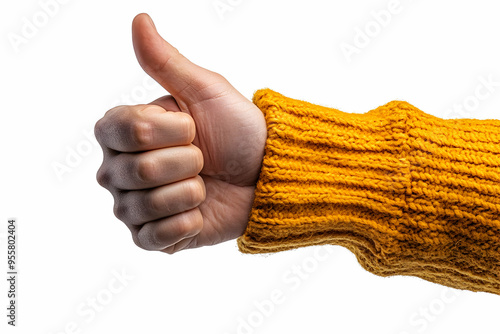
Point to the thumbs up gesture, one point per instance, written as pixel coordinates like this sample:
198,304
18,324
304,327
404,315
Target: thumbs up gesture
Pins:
182,170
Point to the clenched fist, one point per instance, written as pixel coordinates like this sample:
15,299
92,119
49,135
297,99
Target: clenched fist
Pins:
182,169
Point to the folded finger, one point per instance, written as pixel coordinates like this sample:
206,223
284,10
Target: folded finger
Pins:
144,127
162,233
141,206
134,171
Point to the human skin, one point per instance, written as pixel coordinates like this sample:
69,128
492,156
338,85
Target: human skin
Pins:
182,170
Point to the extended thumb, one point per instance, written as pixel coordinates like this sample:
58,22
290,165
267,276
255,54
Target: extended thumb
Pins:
162,61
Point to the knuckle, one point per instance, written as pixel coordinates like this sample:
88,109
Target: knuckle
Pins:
145,170
195,191
98,130
120,210
117,110
124,208
136,241
103,177
190,224
197,158
142,133
148,238
171,58
188,127
196,223
184,225
140,240
114,124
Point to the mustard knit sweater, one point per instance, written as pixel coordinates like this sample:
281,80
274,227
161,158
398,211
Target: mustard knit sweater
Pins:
407,192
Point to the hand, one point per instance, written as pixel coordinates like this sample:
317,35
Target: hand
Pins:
182,169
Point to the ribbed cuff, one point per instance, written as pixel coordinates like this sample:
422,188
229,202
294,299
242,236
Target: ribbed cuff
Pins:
408,193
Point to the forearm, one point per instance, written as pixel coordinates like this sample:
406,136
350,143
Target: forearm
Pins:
407,192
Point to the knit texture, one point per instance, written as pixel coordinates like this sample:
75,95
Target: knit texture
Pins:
407,192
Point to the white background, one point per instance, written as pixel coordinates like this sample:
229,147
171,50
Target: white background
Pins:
79,62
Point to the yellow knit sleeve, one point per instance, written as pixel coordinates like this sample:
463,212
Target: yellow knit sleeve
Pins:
408,193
